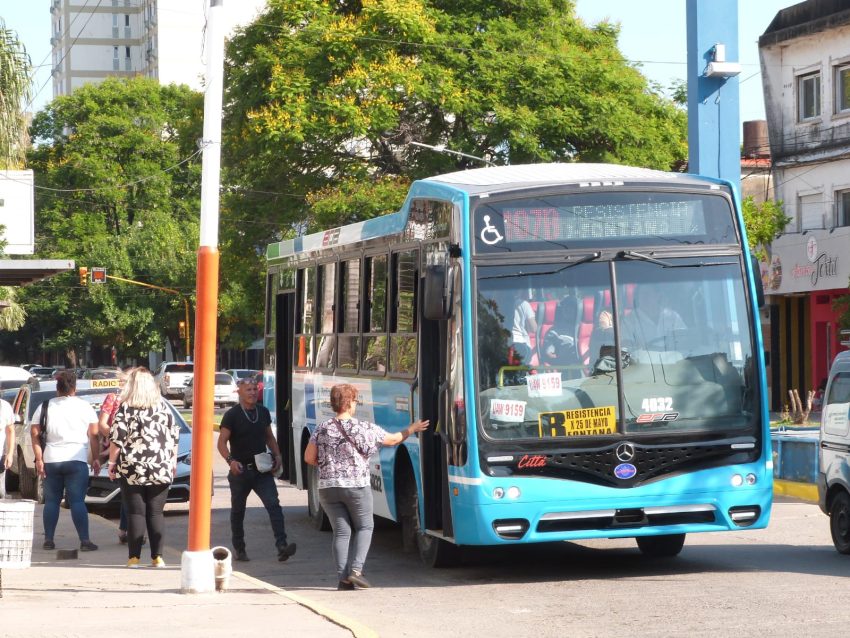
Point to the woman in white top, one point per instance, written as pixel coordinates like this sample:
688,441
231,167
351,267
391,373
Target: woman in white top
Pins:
71,428
524,324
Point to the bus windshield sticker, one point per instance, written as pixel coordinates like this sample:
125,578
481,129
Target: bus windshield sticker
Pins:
547,384
507,411
583,422
657,404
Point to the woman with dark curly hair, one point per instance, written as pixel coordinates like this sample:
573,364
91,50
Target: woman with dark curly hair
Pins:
341,448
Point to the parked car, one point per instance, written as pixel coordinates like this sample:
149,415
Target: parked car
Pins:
13,377
240,373
102,492
42,373
834,453
101,373
171,377
27,401
224,390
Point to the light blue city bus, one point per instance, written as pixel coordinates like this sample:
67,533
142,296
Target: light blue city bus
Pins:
583,338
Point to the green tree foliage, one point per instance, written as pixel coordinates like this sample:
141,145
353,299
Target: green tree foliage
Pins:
764,223
325,96
117,186
14,91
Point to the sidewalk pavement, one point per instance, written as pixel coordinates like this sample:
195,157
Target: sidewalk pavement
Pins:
96,594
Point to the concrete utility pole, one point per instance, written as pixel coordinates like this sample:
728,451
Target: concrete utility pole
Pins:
197,567
714,127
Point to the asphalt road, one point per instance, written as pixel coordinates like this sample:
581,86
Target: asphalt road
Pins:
786,580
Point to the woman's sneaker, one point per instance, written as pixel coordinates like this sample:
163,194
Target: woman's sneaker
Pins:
87,546
158,562
133,563
357,580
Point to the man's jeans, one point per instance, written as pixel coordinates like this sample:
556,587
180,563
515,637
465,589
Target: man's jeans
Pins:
263,484
72,478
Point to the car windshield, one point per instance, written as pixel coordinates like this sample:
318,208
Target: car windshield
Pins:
222,378
547,359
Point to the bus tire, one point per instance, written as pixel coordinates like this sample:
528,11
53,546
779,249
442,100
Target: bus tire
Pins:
666,546
839,522
434,551
318,518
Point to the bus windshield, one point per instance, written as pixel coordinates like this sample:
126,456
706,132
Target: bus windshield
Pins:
547,359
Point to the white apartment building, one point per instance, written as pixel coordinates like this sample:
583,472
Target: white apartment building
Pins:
161,39
805,63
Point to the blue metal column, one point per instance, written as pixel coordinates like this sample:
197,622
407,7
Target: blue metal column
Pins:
714,129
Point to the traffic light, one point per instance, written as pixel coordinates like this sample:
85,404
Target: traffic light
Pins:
181,329
98,275
84,276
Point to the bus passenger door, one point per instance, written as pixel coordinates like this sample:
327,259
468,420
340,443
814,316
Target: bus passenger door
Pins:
434,393
284,343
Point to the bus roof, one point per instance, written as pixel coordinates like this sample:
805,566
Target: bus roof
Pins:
478,181
503,178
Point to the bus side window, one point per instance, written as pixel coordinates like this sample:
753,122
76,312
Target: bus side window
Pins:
404,301
374,302
306,296
327,337
348,348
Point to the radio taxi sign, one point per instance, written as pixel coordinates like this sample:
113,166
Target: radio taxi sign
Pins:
582,422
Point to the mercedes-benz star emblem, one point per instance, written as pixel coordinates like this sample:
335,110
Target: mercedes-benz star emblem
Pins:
625,452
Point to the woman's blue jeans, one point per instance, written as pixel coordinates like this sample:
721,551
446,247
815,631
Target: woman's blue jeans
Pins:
72,479
349,511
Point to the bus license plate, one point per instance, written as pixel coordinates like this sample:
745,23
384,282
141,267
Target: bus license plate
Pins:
583,422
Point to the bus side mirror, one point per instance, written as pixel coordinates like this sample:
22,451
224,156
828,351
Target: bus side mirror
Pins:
754,265
436,296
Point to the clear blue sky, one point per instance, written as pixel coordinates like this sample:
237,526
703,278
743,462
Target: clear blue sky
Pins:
652,32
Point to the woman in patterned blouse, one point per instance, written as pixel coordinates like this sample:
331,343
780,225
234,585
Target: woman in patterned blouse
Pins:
143,455
341,448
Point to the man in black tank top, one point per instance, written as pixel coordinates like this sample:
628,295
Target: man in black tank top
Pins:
245,431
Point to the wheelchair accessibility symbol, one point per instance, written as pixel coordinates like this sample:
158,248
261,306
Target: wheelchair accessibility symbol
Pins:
489,234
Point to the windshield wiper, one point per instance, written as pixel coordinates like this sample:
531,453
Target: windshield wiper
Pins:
633,254
520,273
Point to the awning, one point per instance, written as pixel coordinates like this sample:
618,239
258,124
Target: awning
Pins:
20,272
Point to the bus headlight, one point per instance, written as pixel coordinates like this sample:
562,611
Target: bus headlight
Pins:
513,492
751,479
737,480
498,492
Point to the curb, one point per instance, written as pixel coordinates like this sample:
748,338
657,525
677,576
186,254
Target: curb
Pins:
358,629
804,491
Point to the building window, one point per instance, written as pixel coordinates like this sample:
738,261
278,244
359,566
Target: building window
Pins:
842,208
811,209
115,66
808,93
842,88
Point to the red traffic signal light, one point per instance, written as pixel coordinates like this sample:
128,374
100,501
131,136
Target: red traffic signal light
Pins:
98,275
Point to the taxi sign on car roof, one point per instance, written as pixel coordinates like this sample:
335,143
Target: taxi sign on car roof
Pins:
104,383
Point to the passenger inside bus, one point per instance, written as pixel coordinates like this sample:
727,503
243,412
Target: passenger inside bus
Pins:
559,341
602,339
524,325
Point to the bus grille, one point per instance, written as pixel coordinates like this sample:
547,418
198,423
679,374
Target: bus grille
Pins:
650,462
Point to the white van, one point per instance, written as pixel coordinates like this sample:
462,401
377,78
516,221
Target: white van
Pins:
834,453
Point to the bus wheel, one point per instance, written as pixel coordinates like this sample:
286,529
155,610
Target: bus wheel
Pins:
839,522
661,546
317,515
434,551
